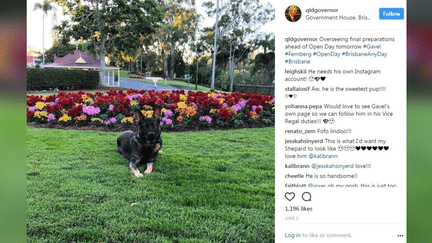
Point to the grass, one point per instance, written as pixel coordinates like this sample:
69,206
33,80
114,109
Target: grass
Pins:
124,74
212,186
419,168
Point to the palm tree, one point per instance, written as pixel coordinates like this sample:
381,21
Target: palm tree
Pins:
45,7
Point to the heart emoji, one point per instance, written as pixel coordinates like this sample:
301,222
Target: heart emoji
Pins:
290,96
357,147
386,147
380,147
363,147
325,121
374,147
317,78
322,78
289,196
369,148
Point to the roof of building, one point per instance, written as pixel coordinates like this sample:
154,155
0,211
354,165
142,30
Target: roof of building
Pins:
77,59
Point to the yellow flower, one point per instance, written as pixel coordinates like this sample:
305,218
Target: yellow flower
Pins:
40,105
221,100
188,111
134,102
40,114
213,94
86,99
183,97
181,105
65,118
254,115
96,119
179,118
127,120
81,118
147,113
148,107
232,110
213,111
163,111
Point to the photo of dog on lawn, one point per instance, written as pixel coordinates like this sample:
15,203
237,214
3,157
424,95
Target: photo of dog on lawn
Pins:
142,147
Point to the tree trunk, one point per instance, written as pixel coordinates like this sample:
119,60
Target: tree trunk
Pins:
231,72
148,66
215,46
43,38
102,48
165,64
172,52
196,81
133,67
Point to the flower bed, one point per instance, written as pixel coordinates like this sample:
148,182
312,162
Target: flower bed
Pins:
181,110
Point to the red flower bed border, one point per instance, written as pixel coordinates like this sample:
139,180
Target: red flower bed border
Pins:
114,110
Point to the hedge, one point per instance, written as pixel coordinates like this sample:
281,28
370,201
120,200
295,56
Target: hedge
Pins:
44,79
260,89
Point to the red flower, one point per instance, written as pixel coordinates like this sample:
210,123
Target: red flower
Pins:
173,106
121,108
252,102
64,101
76,111
49,108
224,113
258,110
30,113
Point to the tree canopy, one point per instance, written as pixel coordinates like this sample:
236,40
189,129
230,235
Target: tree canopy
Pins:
111,25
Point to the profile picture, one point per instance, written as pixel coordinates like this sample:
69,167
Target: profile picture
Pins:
293,13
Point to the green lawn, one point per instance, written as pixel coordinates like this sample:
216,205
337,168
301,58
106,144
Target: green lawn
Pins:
211,186
419,168
124,74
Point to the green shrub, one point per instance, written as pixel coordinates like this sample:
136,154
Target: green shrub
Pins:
43,79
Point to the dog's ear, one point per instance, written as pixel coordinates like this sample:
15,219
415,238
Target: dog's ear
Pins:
138,115
157,114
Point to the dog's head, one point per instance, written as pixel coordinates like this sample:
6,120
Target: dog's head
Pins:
149,127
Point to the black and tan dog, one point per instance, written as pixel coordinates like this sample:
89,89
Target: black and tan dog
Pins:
142,147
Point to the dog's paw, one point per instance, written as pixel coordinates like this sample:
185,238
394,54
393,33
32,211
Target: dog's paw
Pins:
149,169
138,174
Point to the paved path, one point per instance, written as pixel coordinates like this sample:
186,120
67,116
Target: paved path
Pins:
128,83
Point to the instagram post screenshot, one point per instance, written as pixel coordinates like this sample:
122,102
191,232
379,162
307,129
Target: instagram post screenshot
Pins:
340,160
199,121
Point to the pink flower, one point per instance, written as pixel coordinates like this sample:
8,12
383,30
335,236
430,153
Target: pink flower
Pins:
51,117
168,113
169,122
91,110
237,107
206,118
33,108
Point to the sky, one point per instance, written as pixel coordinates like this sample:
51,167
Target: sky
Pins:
34,24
